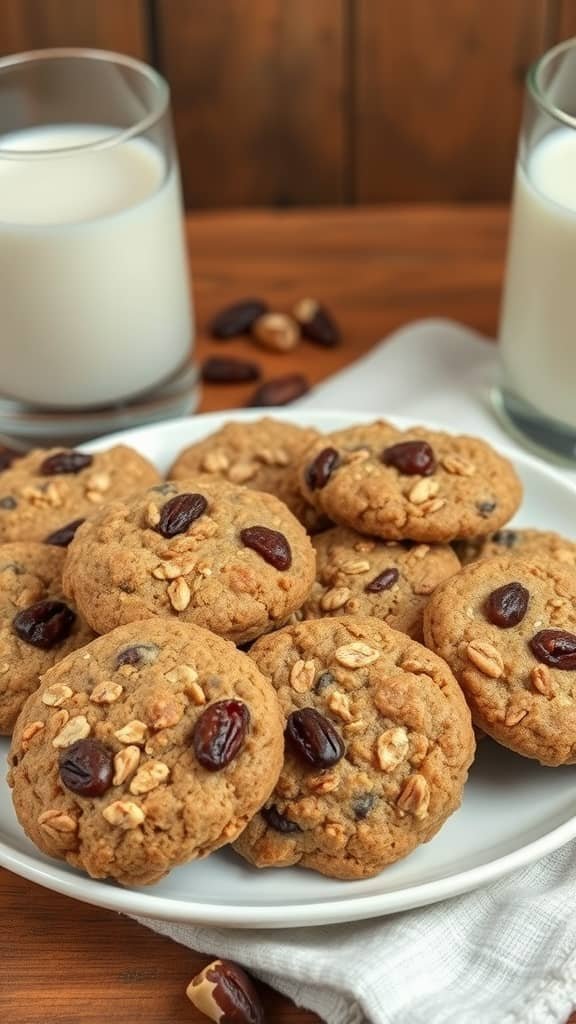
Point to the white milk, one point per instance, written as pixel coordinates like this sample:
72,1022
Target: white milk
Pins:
94,303
537,330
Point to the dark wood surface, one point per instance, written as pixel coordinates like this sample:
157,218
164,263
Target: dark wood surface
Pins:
325,102
69,963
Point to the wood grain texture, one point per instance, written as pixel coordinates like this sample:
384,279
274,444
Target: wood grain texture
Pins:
108,24
439,94
566,22
69,963
257,98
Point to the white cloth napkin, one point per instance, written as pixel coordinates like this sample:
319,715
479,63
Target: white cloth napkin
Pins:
505,954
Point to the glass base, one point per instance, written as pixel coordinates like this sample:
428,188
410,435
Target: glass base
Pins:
24,426
550,439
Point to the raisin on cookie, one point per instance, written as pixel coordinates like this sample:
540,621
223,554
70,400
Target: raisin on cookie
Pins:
507,628
227,558
359,575
49,490
152,746
378,745
416,484
37,626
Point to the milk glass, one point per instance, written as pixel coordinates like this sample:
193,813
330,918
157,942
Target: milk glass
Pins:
537,392
97,325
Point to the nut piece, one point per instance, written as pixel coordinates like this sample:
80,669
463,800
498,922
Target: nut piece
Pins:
182,674
149,776
458,466
56,695
339,704
224,992
415,797
77,728
57,821
423,490
356,655
134,732
124,814
391,748
106,692
152,514
276,331
354,566
29,732
541,679
125,763
302,675
326,782
215,461
179,594
335,598
241,472
486,658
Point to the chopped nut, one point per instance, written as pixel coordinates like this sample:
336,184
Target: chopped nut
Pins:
432,506
77,728
302,675
179,594
106,692
215,461
420,551
276,331
196,694
163,714
541,679
27,597
517,709
57,821
149,776
124,813
335,831
359,455
56,695
29,731
98,482
335,598
423,490
391,748
364,545
417,667
415,796
59,719
152,514
241,472
134,732
356,655
168,571
125,763
326,782
339,704
458,466
182,674
486,658
353,567
273,457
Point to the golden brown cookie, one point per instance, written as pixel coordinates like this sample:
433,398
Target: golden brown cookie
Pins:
525,544
416,484
507,628
263,455
50,489
358,575
37,626
378,746
152,746
232,560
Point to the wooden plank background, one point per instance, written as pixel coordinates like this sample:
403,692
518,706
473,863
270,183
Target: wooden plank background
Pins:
309,102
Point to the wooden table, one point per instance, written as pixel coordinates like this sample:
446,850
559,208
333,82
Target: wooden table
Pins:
69,963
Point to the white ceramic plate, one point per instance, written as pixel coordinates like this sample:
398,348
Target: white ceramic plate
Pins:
513,811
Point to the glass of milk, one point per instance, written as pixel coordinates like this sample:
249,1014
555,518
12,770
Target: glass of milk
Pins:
537,392
95,304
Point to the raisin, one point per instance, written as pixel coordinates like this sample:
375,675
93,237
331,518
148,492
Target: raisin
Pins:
278,821
137,655
271,545
219,733
87,767
237,318
62,538
45,624
506,606
216,370
411,458
314,738
556,648
320,470
280,391
65,462
179,513
383,581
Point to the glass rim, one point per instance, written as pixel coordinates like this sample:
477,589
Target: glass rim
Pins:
536,88
158,111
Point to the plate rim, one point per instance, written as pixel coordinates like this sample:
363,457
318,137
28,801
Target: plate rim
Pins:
309,913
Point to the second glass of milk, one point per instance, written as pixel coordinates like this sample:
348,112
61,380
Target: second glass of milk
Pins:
94,286
537,393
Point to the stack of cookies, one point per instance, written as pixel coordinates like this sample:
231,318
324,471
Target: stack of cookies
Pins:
278,648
